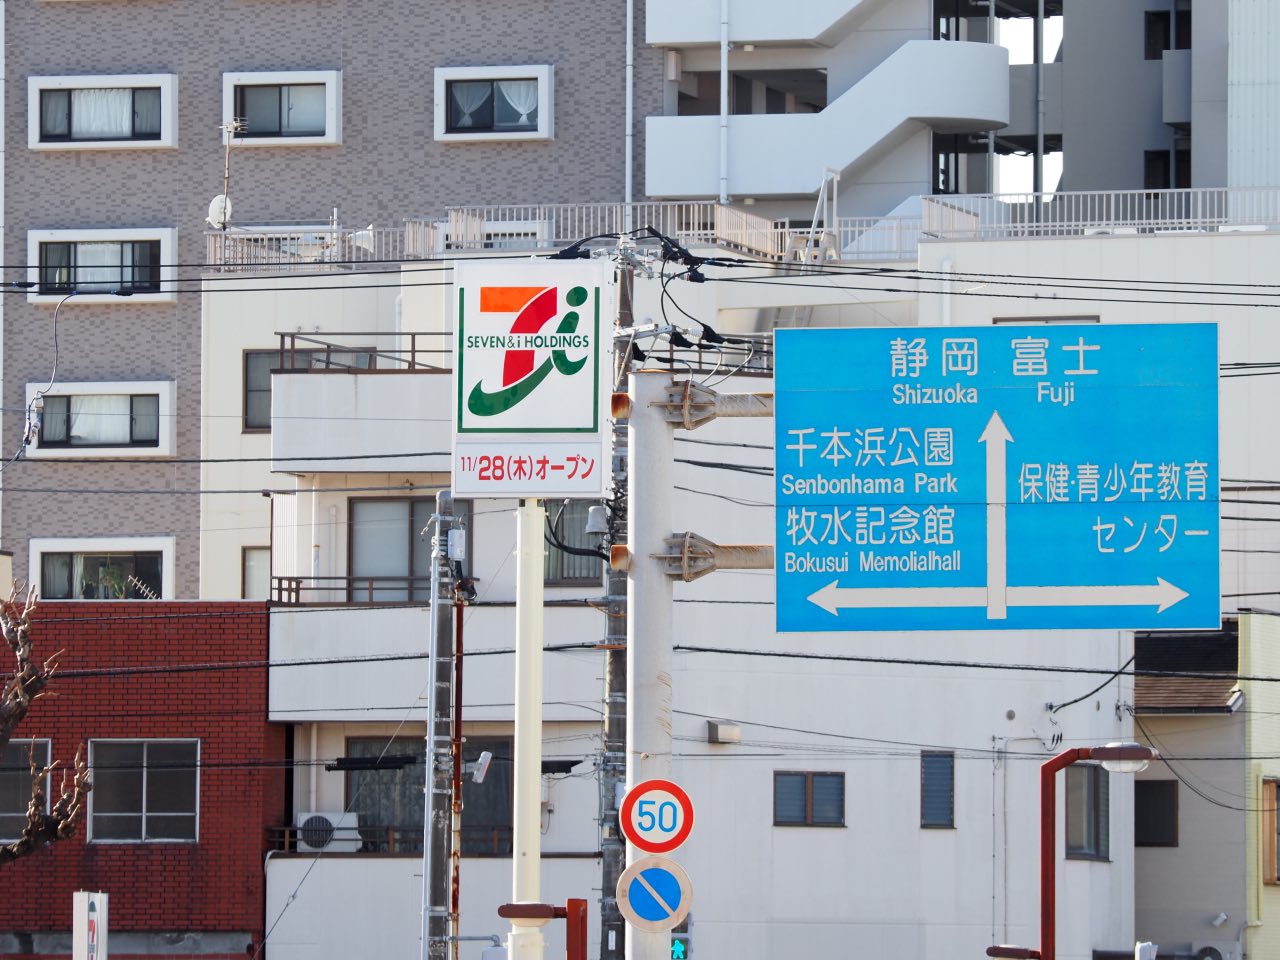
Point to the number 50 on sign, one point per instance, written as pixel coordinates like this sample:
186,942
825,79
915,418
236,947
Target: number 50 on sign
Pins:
656,816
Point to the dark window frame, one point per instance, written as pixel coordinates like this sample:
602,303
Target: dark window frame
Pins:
291,361
927,821
1146,792
499,834
144,278
1157,170
19,749
809,777
69,137
68,445
102,783
492,126
279,132
78,592
416,587
556,559
1098,809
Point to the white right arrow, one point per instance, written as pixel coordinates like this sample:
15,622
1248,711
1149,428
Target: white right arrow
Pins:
1162,593
995,436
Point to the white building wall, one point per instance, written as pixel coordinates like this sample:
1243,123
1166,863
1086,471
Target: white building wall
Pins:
1253,93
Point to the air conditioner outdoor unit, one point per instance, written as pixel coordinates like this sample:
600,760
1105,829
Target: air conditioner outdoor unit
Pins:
328,832
1216,950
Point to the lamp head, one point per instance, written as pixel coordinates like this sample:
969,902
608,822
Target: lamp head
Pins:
1124,756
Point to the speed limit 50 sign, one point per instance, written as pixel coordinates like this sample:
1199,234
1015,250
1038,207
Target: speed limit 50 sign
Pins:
656,816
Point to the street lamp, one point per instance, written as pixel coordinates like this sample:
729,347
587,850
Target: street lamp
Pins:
1116,757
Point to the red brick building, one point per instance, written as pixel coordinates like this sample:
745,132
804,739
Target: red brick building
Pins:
170,699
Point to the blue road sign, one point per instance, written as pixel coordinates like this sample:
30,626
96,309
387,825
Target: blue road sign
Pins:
654,894
1004,477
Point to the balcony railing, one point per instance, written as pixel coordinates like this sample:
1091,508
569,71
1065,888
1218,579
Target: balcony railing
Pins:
535,227
365,352
1089,213
300,591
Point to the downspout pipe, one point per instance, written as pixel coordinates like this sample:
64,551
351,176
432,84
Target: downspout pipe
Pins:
628,159
724,101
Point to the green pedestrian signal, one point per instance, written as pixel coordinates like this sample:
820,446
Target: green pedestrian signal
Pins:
680,946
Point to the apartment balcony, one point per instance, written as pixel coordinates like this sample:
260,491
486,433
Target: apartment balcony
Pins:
689,23
950,86
380,399
1176,88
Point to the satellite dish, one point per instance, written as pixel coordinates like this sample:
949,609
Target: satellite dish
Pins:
219,211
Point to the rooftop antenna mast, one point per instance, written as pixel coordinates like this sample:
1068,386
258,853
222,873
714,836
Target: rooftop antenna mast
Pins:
220,206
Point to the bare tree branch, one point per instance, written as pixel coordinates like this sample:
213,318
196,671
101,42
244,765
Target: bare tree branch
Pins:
28,683
60,822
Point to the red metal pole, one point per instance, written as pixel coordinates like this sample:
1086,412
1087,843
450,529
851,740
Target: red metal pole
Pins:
1049,848
575,929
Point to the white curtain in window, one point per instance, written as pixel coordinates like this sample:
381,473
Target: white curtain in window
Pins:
303,110
522,95
468,97
100,419
98,265
101,114
53,113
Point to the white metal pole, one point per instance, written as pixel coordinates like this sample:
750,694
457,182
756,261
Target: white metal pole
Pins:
429,800
650,446
525,941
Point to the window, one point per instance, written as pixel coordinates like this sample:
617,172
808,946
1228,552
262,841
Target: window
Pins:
258,365
255,573
390,559
134,111
808,799
96,264
144,790
1156,34
493,103
130,419
937,789
296,107
100,266
102,568
570,523
16,760
1088,812
1270,832
1155,813
486,807
101,420
389,801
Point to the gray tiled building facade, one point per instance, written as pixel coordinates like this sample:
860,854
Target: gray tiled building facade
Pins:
388,166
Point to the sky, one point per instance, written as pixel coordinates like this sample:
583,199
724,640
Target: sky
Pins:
1014,174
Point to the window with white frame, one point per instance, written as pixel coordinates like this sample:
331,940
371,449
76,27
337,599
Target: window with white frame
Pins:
16,762
128,419
121,112
102,568
494,103
255,573
300,107
100,266
144,790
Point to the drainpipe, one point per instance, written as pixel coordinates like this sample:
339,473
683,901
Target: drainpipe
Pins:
629,138
1037,181
724,101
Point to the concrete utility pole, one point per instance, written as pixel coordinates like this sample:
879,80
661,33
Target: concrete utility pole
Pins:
655,558
438,783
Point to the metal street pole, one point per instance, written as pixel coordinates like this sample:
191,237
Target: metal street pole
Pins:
525,941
